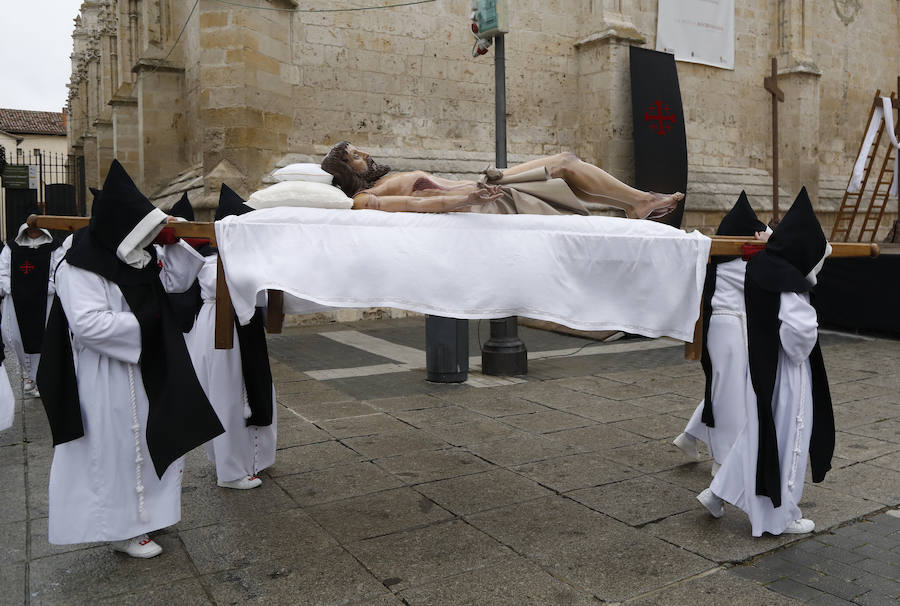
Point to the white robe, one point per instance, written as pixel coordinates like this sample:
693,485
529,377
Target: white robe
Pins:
241,451
103,486
792,411
9,325
7,400
727,342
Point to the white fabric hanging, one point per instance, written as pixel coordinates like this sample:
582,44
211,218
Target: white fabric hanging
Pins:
888,112
588,273
882,114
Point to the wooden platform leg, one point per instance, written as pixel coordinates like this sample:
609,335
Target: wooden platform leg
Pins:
224,311
692,350
275,311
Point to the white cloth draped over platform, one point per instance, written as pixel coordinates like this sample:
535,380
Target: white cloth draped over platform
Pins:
588,273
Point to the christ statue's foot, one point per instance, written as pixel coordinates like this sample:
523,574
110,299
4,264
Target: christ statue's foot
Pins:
656,206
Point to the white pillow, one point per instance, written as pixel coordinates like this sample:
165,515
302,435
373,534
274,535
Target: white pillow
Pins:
304,171
299,193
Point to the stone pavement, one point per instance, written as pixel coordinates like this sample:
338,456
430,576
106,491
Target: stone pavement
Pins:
558,488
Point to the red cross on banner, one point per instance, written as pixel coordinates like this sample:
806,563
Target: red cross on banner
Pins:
26,267
660,118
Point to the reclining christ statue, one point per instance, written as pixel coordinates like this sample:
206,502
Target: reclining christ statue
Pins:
558,184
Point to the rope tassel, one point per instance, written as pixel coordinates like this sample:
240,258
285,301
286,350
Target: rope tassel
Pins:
138,459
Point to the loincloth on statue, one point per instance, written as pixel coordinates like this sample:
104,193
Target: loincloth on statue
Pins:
532,192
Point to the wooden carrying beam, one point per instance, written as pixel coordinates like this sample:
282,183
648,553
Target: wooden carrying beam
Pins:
733,245
224,337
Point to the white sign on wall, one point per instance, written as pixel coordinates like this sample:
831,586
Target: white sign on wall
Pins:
698,31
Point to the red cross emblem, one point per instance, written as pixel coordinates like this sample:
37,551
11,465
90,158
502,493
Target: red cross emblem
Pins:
660,118
26,267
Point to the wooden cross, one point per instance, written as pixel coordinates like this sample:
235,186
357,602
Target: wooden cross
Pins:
771,85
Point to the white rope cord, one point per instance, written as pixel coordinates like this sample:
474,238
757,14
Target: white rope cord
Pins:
247,413
138,459
797,448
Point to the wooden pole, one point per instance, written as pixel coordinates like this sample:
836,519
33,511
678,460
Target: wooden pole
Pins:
224,338
733,245
771,84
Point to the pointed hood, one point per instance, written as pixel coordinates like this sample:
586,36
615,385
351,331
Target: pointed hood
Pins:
795,250
799,238
230,204
741,220
119,208
183,208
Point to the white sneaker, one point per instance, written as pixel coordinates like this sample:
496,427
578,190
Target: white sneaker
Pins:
687,445
30,389
245,483
801,526
138,547
714,504
715,469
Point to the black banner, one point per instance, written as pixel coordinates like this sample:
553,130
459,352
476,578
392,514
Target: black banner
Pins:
860,294
660,144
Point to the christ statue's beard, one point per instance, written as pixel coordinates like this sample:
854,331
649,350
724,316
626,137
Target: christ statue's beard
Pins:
374,172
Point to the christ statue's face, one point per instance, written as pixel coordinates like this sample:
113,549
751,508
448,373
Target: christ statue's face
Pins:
357,159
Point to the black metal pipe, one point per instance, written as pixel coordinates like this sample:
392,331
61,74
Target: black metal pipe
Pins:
499,101
503,353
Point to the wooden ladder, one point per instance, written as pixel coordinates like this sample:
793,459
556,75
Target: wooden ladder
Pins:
843,223
878,202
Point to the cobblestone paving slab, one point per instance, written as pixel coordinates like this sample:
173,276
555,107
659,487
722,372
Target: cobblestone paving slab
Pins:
563,488
854,564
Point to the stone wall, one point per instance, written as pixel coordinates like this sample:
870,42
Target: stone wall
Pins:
230,92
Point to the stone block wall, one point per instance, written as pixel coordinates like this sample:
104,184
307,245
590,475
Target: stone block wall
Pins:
238,90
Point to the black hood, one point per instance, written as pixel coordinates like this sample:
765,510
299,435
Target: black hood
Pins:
183,208
741,220
793,250
230,204
118,208
799,238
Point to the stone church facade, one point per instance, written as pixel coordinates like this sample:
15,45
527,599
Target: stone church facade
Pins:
189,95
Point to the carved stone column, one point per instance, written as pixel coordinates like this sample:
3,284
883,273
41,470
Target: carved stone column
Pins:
126,140
605,87
160,112
798,77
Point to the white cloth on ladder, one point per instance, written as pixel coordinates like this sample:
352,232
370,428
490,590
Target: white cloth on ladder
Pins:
882,114
589,273
859,167
888,111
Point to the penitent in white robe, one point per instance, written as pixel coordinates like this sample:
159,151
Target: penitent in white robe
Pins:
731,387
9,325
103,486
7,400
241,451
792,410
